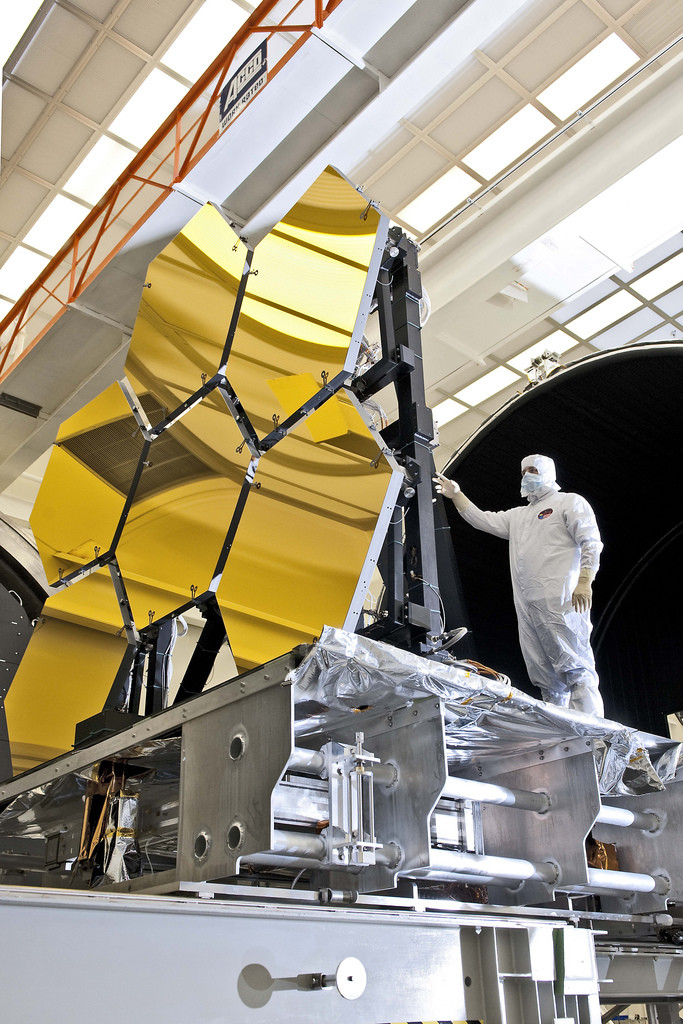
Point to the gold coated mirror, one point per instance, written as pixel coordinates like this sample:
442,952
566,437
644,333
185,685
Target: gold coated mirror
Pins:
228,346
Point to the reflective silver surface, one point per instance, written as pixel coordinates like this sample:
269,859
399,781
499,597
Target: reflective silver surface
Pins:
486,718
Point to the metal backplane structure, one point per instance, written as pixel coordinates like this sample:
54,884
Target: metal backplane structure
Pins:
283,815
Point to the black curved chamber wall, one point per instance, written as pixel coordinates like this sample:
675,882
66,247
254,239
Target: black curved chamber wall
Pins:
612,423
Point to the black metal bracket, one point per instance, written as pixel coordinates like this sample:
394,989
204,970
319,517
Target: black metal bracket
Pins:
212,638
410,612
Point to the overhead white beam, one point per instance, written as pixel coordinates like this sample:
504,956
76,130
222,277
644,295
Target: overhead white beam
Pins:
550,190
418,80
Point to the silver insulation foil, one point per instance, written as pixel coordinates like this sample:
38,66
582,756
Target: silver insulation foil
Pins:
488,723
121,855
485,717
141,820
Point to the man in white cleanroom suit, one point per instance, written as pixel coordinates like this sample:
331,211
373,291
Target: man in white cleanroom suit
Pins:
554,555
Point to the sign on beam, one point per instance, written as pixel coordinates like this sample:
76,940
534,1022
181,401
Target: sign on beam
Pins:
243,86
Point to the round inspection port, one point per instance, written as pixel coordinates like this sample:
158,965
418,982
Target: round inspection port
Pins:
235,836
202,845
237,746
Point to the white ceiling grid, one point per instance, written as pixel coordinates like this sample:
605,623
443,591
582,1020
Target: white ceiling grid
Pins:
62,95
500,81
83,62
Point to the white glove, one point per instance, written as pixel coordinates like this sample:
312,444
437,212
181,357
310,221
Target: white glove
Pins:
582,598
444,486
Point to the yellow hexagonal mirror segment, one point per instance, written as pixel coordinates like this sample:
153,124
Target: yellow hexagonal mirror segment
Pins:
228,346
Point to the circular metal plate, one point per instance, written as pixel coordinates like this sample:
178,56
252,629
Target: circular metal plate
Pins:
351,978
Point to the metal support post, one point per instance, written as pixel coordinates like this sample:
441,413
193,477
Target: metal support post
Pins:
156,696
663,1013
408,563
212,638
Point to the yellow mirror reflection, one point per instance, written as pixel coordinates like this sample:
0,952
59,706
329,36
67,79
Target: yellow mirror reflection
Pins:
305,530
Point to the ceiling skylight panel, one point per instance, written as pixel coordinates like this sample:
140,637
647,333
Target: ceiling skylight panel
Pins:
514,137
588,77
557,342
490,384
661,279
605,313
671,302
446,411
158,95
98,170
203,38
439,199
15,19
626,331
19,271
55,225
638,211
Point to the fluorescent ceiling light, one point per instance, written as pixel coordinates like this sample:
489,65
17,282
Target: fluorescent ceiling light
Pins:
560,263
490,384
203,38
639,211
631,217
439,199
557,342
513,138
604,314
19,271
98,170
14,20
661,279
158,95
55,225
588,77
446,411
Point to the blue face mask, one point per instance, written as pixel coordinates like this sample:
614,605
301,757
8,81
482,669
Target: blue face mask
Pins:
531,484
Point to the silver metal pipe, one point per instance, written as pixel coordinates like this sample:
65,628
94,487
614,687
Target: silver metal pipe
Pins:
274,860
455,876
628,881
389,855
298,844
385,774
622,816
474,868
311,762
492,793
290,849
479,867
